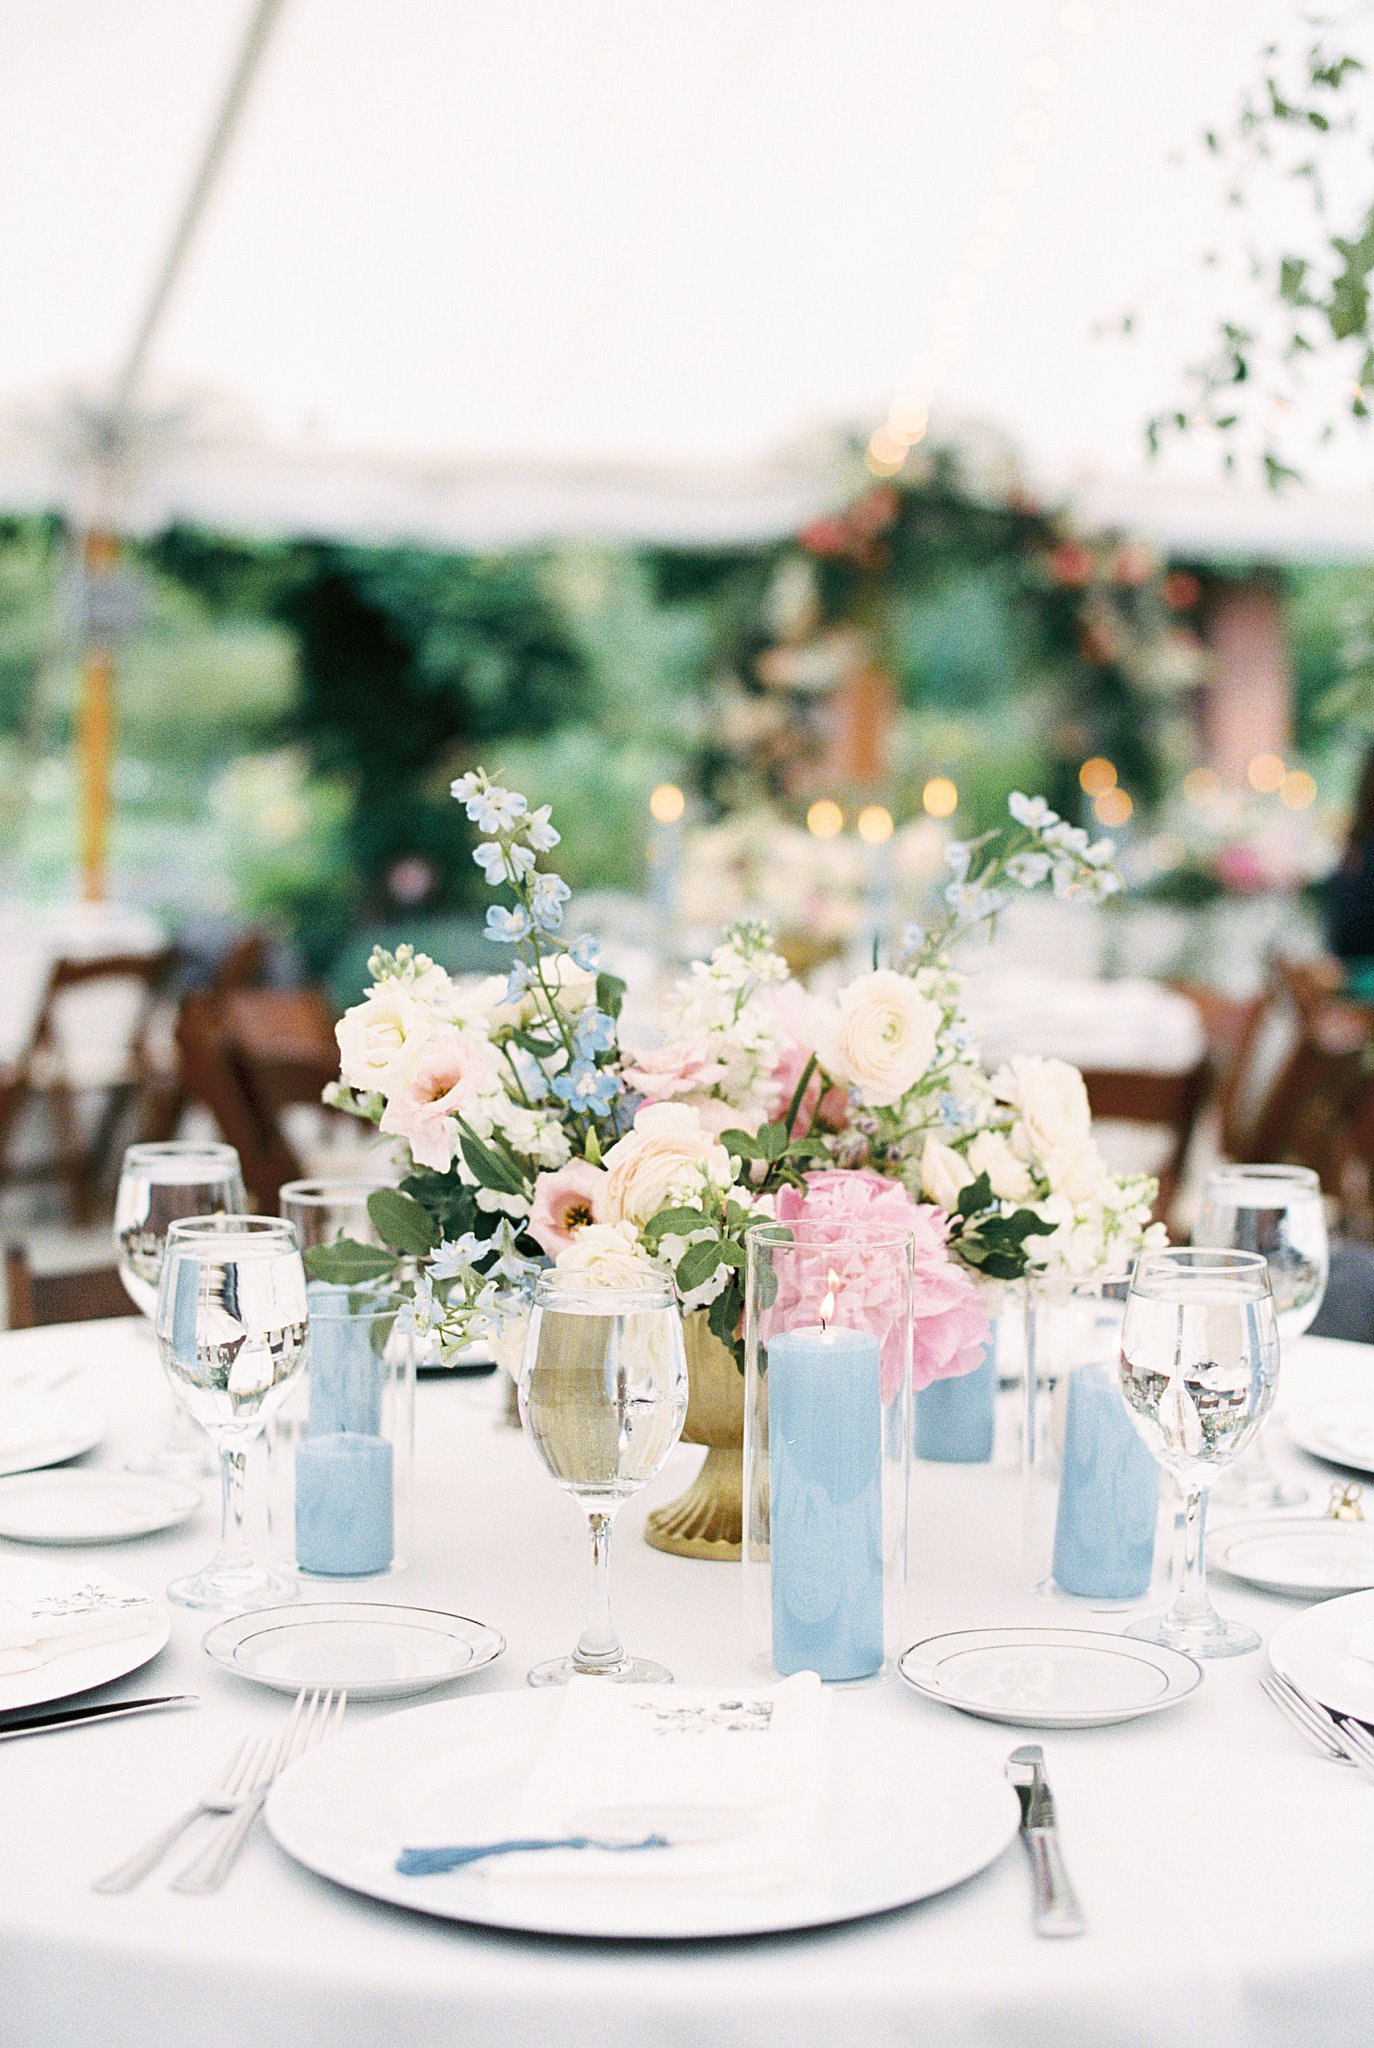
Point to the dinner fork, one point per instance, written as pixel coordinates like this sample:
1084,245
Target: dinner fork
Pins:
237,1783
315,1715
1337,1737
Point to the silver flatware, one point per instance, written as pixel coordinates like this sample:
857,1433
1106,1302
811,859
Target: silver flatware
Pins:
77,1717
315,1714
1057,1911
1335,1735
237,1783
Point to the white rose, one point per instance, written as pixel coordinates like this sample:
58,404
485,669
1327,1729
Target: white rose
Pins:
1051,1101
1077,1172
944,1175
605,1255
379,1035
991,1154
667,1150
880,1038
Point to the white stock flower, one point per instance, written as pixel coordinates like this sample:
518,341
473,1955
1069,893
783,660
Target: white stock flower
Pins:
1051,1103
667,1152
1010,1178
378,1035
880,1038
605,1255
944,1175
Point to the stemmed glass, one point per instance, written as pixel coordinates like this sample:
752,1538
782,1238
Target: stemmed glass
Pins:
231,1327
603,1395
1199,1365
323,1211
1276,1210
158,1184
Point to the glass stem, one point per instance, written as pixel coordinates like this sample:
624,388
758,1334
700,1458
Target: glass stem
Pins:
598,1646
234,1553
1190,1601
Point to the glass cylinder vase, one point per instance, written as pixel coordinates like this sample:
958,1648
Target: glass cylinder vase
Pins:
828,1330
344,1448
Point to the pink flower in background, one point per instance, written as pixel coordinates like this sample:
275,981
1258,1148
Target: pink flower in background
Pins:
443,1078
843,1222
1241,868
565,1202
795,1013
680,1068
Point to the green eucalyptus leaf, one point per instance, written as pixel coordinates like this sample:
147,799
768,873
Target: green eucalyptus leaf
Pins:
346,1263
697,1264
491,1169
402,1222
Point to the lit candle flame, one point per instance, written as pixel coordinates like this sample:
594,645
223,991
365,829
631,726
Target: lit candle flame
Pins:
828,1304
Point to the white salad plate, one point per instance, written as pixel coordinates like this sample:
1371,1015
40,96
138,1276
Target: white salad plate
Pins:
373,1650
1305,1556
92,1507
40,1429
1328,1653
1337,1432
80,1668
1049,1677
903,1820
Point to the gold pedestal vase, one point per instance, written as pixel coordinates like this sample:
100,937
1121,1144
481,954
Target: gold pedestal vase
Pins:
707,1520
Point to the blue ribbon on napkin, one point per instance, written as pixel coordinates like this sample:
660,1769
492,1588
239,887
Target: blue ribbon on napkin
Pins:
426,1862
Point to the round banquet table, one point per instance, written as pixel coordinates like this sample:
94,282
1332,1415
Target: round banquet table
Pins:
1224,1867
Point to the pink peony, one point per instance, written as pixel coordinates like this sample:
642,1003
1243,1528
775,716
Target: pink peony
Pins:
443,1078
844,1223
680,1068
565,1202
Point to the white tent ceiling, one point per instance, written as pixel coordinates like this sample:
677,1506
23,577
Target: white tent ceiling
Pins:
479,271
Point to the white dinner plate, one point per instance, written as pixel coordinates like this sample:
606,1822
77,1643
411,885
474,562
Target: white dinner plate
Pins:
39,1429
1339,1431
910,1813
92,1507
1306,1556
1049,1677
1328,1652
376,1651
78,1670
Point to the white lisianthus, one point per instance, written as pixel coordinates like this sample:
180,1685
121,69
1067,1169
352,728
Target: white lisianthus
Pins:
1009,1177
667,1153
1051,1104
944,1175
379,1035
606,1255
880,1038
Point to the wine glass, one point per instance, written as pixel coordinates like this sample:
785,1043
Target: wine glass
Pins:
323,1211
231,1327
1199,1365
1276,1210
603,1395
158,1184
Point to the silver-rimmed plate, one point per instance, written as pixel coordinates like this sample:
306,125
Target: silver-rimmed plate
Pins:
374,1650
1341,1432
80,1506
1328,1653
1049,1677
1308,1557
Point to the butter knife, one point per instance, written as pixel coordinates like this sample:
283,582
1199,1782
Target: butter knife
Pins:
1057,1911
76,1717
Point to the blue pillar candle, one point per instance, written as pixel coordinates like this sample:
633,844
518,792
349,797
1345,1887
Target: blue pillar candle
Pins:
344,1373
1104,1535
825,1502
344,1519
955,1418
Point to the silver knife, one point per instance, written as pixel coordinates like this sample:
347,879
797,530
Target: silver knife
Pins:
1057,1911
76,1717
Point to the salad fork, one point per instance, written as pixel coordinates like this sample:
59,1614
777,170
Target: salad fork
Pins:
224,1797
315,1715
1337,1737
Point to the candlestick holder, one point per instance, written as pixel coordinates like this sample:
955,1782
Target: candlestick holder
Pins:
827,1446
342,1451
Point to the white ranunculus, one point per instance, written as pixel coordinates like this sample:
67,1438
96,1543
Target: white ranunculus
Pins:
379,1035
944,1175
1051,1103
990,1153
605,1255
880,1037
667,1152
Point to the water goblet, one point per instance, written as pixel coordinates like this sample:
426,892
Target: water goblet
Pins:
1276,1210
158,1185
603,1397
231,1327
1199,1366
323,1211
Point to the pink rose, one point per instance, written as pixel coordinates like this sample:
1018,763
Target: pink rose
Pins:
565,1202
679,1068
844,1224
440,1080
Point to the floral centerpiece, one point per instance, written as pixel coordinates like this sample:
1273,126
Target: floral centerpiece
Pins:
535,1134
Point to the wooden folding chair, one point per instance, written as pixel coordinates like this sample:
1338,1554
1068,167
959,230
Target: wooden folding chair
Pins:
92,1293
1166,1102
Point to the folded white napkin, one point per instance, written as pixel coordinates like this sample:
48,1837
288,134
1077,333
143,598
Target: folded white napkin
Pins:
48,1611
733,1778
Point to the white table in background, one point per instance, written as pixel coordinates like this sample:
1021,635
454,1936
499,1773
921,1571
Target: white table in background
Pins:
1224,1867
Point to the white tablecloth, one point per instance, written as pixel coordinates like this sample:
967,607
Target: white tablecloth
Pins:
1225,1868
